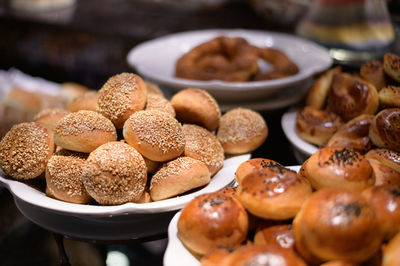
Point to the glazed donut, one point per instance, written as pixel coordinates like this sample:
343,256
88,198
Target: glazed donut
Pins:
156,102
71,90
202,145
384,175
389,97
253,166
386,201
84,131
280,236
387,157
50,116
25,150
391,252
85,101
372,71
177,177
64,177
391,66
212,220
121,96
316,126
351,96
318,93
115,173
156,135
196,106
153,89
354,134
385,129
241,130
273,192
337,224
338,167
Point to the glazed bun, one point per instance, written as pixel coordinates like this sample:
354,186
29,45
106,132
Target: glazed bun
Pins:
279,236
121,96
64,177
115,173
177,177
372,71
384,175
387,157
338,167
71,90
389,97
317,126
196,106
25,150
385,129
338,263
156,102
212,220
273,192
391,252
241,131
156,135
337,224
85,101
253,167
49,117
202,145
84,131
391,66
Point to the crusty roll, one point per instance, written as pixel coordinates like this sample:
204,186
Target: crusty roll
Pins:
50,116
71,90
384,175
389,97
273,192
121,96
25,150
351,96
152,166
242,130
386,201
317,126
391,252
337,224
318,93
84,131
212,220
372,71
196,106
353,134
202,145
385,129
253,166
153,89
156,135
177,177
338,167
115,173
64,177
280,236
156,102
387,157
85,101
391,65
20,105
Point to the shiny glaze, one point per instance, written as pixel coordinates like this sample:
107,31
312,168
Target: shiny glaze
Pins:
387,124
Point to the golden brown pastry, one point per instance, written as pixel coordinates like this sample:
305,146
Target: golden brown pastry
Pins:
387,157
391,252
253,166
156,102
391,65
152,166
372,71
338,263
20,105
50,116
384,175
71,90
85,101
280,236
385,129
216,257
389,97
153,89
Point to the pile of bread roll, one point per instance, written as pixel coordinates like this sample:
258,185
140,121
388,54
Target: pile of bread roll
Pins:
127,143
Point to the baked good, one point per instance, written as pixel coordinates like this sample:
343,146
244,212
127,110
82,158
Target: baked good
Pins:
391,65
273,192
389,97
317,126
202,145
84,131
71,90
196,106
241,130
64,177
156,135
25,150
385,129
384,175
85,101
145,198
338,263
50,116
387,157
156,102
151,166
153,89
121,96
337,224
372,71
177,177
20,105
280,236
212,220
338,167
216,257
391,252
253,166
115,173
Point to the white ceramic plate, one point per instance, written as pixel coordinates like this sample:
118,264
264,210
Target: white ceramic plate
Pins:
176,254
155,60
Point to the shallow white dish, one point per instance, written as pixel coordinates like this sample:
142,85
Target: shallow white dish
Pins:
303,149
176,253
155,60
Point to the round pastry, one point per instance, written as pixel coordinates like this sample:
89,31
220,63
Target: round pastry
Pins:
372,71
85,101
318,93
384,175
389,97
212,220
338,263
153,89
156,102
338,167
241,131
354,134
50,116
202,145
387,157
196,106
156,135
391,252
253,166
385,129
84,131
71,90
351,96
152,166
115,173
121,96
317,126
337,224
177,177
391,65
19,105
280,236
64,177
273,192
25,150
216,257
